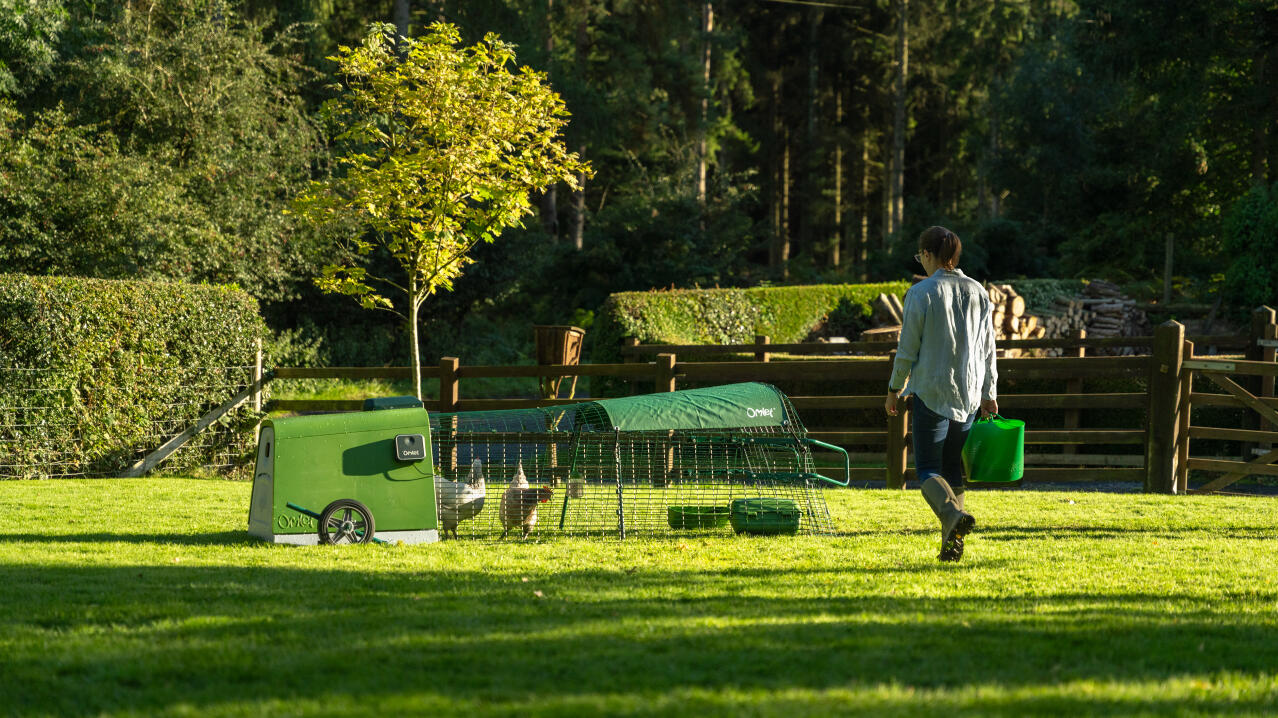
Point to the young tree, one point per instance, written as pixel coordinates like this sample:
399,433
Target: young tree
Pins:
443,149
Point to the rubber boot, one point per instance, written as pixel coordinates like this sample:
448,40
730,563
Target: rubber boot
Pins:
955,523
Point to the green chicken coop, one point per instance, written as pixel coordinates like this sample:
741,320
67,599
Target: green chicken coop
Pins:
345,478
724,459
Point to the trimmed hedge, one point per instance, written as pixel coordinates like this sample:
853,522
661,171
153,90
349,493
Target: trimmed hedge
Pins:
732,316
96,373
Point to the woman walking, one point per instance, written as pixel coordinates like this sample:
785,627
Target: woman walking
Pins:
946,351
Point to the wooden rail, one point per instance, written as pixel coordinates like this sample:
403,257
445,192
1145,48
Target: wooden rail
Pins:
763,347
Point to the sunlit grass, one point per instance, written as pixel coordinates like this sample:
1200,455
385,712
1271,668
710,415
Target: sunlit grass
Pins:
142,597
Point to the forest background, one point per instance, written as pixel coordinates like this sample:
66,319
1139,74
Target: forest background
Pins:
734,144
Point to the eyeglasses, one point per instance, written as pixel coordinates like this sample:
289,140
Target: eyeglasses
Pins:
918,257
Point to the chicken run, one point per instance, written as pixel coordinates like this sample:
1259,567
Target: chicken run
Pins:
733,458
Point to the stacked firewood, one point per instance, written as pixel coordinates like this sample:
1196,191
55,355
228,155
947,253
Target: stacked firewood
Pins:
1103,311
1113,315
1011,320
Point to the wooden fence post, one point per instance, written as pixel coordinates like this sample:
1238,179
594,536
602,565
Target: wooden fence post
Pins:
1074,386
761,340
1182,428
664,371
628,342
896,448
449,386
1269,354
257,389
1261,319
1163,419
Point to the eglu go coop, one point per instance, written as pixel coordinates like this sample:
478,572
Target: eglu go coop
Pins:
719,459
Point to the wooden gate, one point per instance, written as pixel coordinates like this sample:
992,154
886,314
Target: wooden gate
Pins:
1219,373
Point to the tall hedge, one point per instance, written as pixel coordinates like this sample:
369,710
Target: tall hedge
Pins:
95,373
730,316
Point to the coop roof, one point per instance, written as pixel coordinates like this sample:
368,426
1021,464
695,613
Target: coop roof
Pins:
729,406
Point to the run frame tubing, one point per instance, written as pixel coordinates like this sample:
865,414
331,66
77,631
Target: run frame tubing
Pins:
847,462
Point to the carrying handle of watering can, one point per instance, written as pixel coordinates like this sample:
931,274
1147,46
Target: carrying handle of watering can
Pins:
847,462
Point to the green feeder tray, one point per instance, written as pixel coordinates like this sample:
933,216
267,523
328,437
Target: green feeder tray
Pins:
697,517
764,516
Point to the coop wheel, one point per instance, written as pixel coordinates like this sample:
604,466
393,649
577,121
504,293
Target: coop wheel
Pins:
346,521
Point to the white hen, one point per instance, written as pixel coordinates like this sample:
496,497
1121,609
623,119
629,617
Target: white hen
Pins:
459,501
519,503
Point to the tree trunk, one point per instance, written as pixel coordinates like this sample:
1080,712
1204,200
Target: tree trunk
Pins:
413,306
837,240
996,198
888,229
579,206
579,194
707,27
899,118
774,157
785,209
547,203
403,12
863,241
1259,139
810,158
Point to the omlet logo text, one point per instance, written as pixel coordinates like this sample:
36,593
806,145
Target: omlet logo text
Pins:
752,412
295,521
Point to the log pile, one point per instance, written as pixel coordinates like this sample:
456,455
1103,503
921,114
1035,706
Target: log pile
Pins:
1011,320
888,310
1103,311
1112,314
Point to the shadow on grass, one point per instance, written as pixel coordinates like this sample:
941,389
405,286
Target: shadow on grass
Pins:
1112,532
219,538
84,640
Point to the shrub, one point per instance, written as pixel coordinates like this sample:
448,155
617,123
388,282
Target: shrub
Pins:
1251,242
99,372
731,316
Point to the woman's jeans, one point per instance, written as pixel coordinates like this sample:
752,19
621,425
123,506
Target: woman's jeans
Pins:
938,444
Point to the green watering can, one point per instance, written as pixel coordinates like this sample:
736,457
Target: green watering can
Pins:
994,452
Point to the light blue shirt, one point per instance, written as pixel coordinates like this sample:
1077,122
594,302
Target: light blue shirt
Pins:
947,345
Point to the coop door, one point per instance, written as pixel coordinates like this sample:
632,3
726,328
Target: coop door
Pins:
262,503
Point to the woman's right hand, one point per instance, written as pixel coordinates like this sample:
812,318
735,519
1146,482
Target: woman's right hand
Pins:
889,404
989,406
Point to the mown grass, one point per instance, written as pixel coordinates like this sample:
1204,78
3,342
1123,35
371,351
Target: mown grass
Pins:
145,597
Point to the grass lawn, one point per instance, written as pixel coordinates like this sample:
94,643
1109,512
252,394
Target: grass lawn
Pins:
145,597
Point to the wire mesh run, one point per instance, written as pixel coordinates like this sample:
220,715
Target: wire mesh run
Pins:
563,470
60,424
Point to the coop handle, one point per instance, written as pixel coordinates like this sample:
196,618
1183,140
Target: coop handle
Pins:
847,461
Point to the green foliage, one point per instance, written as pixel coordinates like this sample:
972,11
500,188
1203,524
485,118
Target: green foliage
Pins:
1040,294
1251,244
442,151
731,316
443,147
1125,123
164,142
29,32
1068,602
96,371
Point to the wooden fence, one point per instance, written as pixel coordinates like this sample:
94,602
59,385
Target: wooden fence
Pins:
1165,435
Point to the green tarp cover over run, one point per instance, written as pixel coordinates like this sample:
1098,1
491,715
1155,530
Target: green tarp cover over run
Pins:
729,406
